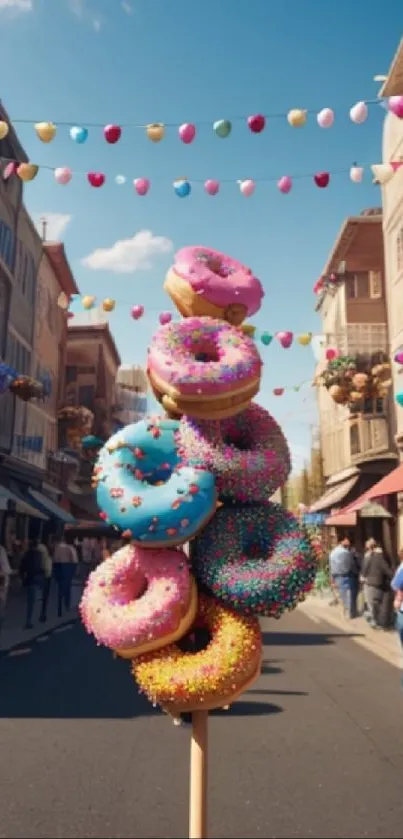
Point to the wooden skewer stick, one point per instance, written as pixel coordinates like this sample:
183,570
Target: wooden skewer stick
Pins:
198,776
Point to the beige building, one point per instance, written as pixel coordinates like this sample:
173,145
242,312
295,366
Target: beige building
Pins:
357,449
392,201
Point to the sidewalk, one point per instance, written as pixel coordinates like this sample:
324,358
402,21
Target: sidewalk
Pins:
13,633
383,644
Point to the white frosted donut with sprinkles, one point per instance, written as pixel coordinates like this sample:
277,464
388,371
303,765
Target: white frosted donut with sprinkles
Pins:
139,600
204,368
247,453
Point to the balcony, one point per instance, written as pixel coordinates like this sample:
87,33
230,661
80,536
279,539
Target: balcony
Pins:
359,338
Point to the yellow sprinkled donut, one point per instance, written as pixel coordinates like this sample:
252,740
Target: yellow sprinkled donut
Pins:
213,678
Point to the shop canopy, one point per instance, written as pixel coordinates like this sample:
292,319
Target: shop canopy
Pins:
388,485
50,507
22,507
334,495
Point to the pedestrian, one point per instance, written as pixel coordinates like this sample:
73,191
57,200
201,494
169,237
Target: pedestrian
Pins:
397,587
65,562
343,571
32,575
47,567
377,574
5,576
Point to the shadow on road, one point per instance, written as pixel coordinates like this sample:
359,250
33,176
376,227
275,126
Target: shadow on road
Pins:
69,678
305,639
278,692
243,708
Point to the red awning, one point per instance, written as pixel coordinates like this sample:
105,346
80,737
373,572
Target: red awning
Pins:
388,485
342,520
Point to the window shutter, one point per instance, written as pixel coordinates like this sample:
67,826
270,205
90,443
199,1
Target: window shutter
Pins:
375,285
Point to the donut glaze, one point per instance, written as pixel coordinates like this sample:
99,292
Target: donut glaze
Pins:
247,453
139,600
142,486
255,559
203,281
212,678
203,367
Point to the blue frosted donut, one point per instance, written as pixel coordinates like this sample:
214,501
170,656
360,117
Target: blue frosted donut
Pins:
143,487
255,559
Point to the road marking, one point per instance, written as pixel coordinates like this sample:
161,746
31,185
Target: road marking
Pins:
63,628
42,639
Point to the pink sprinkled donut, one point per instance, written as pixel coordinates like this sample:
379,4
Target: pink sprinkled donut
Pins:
203,281
247,453
139,600
204,368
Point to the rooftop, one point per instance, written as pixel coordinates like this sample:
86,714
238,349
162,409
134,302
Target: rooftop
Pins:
344,241
393,86
56,255
91,331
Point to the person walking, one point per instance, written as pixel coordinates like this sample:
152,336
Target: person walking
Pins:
47,567
343,571
65,563
377,574
397,587
5,576
32,575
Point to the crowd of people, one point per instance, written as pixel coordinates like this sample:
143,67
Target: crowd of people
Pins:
370,574
39,564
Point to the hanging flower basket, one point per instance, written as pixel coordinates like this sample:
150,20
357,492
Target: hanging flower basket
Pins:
26,388
352,380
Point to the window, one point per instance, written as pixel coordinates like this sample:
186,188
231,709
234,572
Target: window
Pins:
374,406
375,285
6,245
71,375
86,396
357,286
355,446
50,312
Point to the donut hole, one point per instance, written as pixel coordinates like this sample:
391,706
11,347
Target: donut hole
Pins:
241,441
205,352
139,586
215,265
195,641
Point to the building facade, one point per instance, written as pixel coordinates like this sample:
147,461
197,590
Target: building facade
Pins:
92,362
392,202
357,447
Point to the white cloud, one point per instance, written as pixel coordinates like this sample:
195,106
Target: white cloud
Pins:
129,255
127,7
56,225
16,5
81,11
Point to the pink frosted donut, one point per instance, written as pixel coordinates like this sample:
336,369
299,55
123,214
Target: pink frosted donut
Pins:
248,453
203,281
139,600
204,368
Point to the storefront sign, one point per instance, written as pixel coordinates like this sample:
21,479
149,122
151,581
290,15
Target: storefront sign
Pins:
29,444
315,519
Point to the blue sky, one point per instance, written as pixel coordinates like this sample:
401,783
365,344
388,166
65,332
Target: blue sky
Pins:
173,61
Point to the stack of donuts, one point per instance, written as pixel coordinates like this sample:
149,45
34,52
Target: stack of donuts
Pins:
202,474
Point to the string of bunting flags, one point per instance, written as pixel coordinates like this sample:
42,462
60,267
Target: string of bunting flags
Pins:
63,175
187,131
284,337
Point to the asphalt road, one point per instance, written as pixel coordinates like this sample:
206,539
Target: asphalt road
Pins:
315,749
